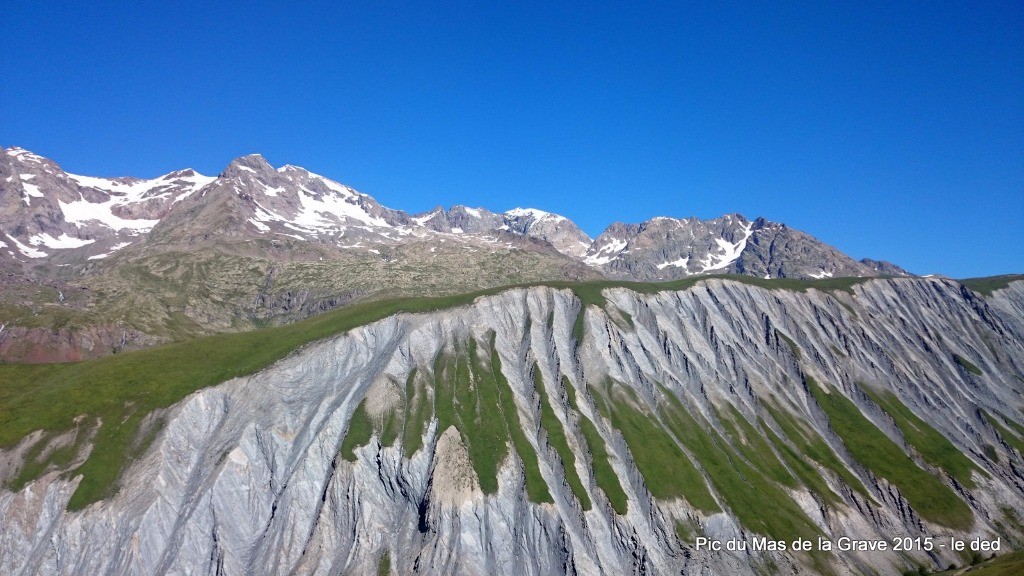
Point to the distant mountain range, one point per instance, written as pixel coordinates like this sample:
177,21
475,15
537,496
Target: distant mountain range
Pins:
50,214
135,261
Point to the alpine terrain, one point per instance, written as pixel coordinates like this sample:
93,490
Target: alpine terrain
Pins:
272,373
91,266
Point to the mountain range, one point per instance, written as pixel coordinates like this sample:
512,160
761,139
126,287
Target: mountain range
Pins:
94,265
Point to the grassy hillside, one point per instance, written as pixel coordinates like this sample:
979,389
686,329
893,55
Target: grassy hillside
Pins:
989,284
932,499
117,393
123,388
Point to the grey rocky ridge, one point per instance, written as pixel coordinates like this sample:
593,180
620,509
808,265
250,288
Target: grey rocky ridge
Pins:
94,265
667,249
552,431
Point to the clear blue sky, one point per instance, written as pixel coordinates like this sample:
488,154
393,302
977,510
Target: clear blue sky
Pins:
889,131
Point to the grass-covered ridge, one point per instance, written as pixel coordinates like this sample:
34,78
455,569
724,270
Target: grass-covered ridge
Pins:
929,442
467,397
967,365
812,446
932,499
471,395
123,388
120,390
557,438
666,469
746,488
1009,564
989,284
1014,438
604,475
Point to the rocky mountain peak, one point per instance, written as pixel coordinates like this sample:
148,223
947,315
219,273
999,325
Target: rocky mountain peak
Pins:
668,248
884,268
252,163
42,205
29,163
186,173
559,231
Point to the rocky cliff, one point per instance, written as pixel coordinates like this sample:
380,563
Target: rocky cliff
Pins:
535,433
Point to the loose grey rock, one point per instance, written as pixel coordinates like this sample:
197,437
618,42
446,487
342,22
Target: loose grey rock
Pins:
246,477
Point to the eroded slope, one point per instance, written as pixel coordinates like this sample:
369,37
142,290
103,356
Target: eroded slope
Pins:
515,436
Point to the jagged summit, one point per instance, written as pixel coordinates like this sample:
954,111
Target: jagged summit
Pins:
250,162
251,198
186,253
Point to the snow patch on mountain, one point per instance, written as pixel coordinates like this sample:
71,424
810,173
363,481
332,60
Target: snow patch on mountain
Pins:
319,213
122,192
31,190
134,190
534,213
82,212
26,250
24,155
731,251
422,219
60,243
339,188
680,263
131,190
259,225
113,249
606,253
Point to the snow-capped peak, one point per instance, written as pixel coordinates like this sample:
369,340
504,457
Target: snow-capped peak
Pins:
532,213
24,156
134,189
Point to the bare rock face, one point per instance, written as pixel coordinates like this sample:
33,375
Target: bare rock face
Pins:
454,482
670,249
300,469
558,231
38,345
49,216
